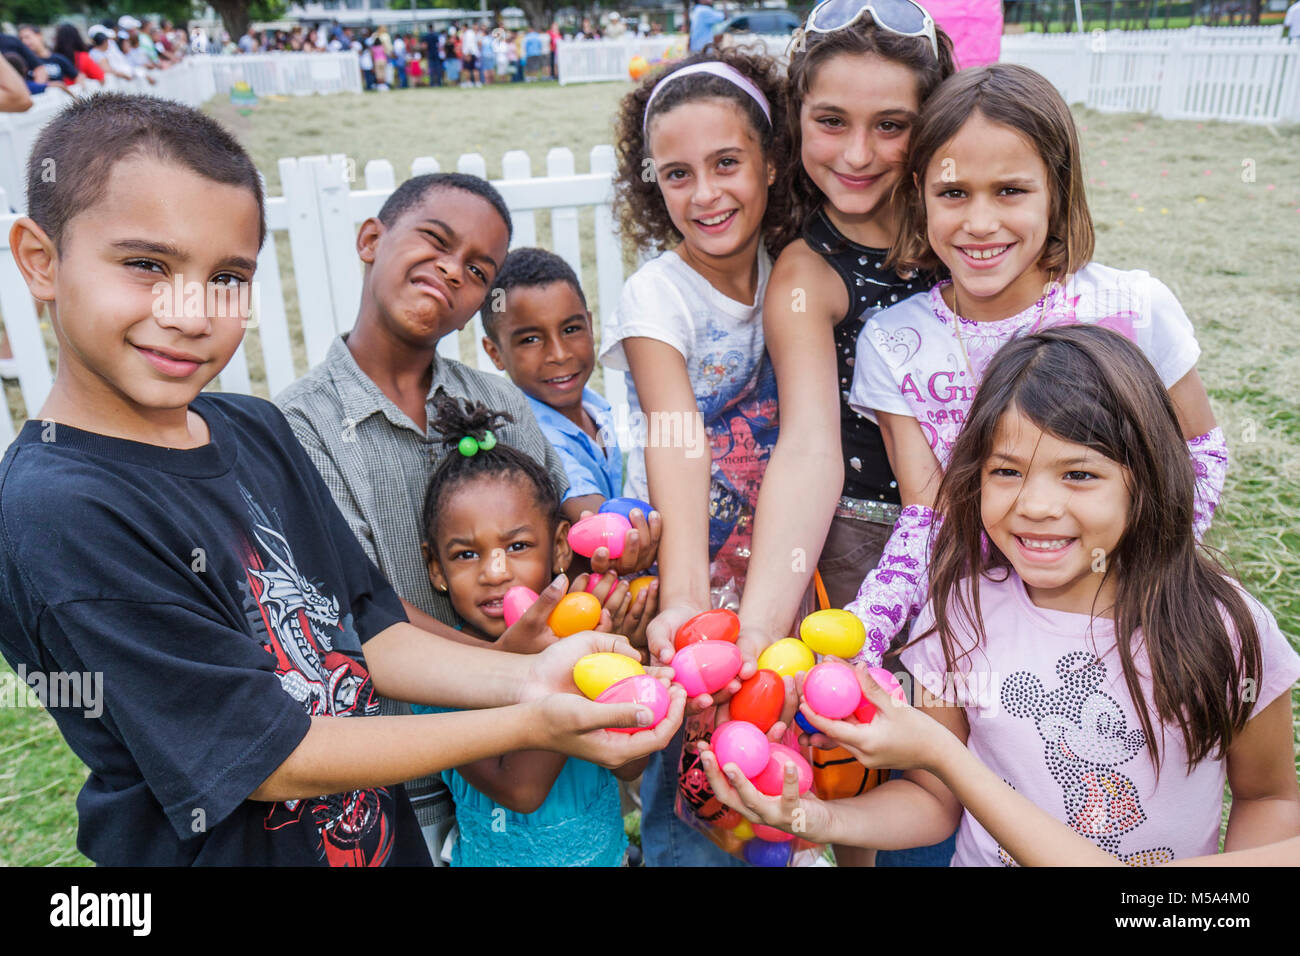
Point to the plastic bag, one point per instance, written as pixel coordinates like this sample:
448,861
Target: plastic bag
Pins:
697,805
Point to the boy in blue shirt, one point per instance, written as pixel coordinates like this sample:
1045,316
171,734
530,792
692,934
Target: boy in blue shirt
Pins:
538,331
181,545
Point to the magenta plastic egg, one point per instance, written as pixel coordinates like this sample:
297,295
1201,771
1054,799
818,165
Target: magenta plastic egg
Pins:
771,834
772,778
831,689
741,743
706,667
638,689
866,710
599,531
517,600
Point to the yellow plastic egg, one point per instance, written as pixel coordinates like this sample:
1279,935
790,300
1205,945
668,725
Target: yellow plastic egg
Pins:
575,612
744,830
833,631
638,585
595,673
787,657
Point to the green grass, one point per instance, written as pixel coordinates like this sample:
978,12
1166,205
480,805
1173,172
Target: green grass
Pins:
1225,246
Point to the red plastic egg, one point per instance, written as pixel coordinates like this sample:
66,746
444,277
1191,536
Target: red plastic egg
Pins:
706,667
760,700
719,624
771,834
729,820
638,689
867,710
772,779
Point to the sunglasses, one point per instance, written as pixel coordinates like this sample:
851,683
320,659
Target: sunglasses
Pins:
904,17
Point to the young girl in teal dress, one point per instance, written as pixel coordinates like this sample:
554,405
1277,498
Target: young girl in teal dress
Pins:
492,521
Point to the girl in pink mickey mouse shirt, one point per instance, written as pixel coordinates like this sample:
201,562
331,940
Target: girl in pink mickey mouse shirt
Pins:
1078,640
1000,202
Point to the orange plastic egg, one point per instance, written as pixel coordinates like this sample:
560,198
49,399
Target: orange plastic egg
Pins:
574,613
639,584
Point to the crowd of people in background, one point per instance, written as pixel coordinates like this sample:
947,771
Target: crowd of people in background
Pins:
471,54
466,54
61,58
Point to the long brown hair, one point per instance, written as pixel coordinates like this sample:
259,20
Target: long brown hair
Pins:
1090,386
811,52
1016,97
643,215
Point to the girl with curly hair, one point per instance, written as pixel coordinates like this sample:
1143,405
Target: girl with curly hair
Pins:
700,145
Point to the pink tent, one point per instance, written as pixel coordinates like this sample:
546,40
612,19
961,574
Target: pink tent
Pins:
974,25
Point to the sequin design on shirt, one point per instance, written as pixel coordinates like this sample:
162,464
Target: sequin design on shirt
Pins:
1086,737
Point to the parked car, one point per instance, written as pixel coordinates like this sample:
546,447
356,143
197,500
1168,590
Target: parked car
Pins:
764,22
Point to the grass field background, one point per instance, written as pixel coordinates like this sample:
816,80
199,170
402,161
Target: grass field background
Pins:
1212,209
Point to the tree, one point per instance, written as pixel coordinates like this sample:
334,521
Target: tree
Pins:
236,15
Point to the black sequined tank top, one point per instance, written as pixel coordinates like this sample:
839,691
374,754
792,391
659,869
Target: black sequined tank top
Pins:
871,287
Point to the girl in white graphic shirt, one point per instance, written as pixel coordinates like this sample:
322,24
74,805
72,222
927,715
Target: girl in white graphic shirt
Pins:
999,201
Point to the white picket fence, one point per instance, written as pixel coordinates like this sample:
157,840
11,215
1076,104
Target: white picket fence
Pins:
1235,74
319,213
597,61
193,81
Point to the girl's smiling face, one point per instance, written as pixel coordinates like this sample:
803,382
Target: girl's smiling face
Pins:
492,536
1056,510
854,127
712,173
987,211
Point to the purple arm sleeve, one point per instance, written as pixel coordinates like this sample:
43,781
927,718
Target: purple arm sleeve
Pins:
1210,457
896,589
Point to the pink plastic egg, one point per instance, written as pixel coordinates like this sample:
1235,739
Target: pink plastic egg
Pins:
772,778
706,667
593,582
517,600
771,834
741,743
867,710
831,689
638,689
599,531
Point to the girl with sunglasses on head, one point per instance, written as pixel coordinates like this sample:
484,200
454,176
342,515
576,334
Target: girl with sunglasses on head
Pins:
859,74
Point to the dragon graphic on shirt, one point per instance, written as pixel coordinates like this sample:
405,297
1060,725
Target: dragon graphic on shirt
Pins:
310,641
1086,736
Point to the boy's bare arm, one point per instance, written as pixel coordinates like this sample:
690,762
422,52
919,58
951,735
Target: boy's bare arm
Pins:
350,753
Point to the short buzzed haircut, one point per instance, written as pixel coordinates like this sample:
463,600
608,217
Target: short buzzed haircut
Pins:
527,268
412,192
74,154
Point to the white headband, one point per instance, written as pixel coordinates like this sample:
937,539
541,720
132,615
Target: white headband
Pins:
717,68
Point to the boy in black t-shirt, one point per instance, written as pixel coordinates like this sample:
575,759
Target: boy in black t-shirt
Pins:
181,548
